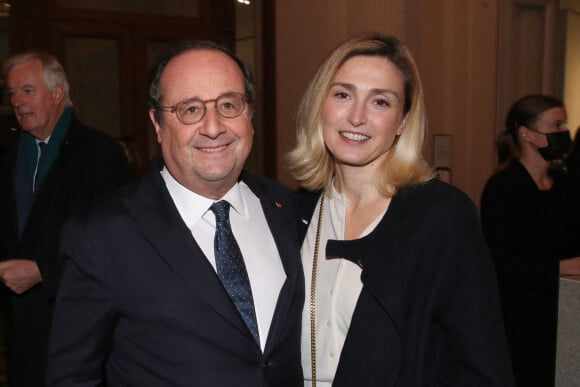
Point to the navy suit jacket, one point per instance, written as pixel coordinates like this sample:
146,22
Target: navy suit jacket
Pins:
140,304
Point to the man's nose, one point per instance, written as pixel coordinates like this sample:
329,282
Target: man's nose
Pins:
212,122
16,100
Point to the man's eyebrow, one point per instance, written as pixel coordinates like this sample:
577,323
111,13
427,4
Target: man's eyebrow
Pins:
20,87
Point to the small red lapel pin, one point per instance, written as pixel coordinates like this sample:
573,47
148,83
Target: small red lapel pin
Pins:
278,204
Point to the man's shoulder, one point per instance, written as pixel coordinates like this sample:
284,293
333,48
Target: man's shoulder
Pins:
262,185
95,146
88,134
110,204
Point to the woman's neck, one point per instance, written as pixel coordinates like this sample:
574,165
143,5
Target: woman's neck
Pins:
537,168
363,202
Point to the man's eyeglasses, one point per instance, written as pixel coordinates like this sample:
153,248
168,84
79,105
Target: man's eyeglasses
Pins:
191,111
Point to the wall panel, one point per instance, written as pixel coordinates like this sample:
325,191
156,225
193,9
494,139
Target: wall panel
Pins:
530,53
572,72
456,52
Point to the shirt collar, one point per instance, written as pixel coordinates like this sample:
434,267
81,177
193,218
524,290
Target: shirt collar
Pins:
46,140
192,206
237,202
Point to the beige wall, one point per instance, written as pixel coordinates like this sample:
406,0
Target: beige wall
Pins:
466,52
572,84
456,51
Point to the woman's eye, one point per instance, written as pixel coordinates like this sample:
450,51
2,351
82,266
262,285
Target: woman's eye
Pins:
382,103
341,95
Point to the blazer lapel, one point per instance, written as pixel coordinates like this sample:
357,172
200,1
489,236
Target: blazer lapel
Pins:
380,259
155,213
376,256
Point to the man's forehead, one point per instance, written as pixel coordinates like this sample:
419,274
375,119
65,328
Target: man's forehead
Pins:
29,65
205,60
201,54
203,69
31,69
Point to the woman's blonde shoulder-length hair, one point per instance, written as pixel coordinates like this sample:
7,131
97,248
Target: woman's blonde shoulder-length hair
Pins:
311,163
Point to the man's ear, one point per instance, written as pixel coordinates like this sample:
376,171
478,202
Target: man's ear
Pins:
155,124
58,95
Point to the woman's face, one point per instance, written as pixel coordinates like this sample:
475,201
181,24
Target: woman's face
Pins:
363,111
550,121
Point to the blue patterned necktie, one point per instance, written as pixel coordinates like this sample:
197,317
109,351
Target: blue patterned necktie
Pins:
231,269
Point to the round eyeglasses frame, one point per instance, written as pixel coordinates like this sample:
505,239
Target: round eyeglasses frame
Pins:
192,110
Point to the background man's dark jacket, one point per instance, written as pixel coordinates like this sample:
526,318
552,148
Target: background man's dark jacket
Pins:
89,163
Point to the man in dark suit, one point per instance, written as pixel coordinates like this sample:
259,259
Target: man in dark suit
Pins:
57,166
146,297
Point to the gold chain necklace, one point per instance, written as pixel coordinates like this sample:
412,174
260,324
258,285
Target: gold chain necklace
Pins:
313,294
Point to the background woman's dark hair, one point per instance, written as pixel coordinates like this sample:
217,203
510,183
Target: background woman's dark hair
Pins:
181,47
524,112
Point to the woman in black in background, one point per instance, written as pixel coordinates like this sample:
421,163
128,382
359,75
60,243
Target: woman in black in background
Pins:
531,224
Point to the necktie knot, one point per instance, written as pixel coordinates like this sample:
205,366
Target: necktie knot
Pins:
221,211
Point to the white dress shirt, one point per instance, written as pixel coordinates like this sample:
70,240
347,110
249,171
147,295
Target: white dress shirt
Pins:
338,287
252,233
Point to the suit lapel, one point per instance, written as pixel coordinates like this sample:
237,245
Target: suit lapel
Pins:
279,215
67,167
155,213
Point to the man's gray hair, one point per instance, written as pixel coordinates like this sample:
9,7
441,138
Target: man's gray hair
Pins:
54,73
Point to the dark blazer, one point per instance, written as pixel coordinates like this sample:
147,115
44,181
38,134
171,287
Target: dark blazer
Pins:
148,307
88,164
428,313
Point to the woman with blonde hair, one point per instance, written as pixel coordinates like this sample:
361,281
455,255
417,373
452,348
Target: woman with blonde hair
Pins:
401,287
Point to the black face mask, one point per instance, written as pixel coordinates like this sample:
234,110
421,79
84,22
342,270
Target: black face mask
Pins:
558,144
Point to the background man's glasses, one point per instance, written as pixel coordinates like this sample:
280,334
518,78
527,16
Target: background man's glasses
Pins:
191,111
